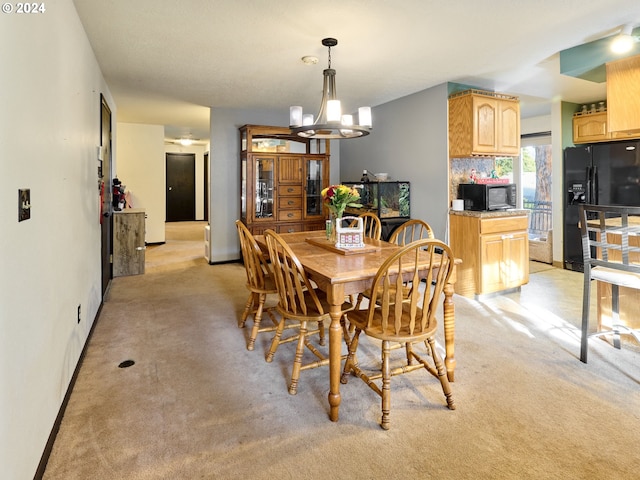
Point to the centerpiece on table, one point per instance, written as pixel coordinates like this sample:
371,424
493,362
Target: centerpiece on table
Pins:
337,198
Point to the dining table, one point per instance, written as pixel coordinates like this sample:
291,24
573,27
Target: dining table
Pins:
343,272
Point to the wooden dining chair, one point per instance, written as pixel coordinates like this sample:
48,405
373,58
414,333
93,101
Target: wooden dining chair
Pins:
611,254
260,283
372,226
410,231
406,233
394,321
300,302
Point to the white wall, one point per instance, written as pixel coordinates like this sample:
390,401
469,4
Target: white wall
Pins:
409,141
535,124
49,264
224,172
141,167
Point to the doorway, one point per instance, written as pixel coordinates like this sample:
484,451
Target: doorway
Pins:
181,187
104,177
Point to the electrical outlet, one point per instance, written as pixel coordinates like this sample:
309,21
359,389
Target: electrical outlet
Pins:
78,313
24,204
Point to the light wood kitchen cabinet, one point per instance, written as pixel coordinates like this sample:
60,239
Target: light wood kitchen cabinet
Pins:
282,177
128,242
623,96
590,128
494,249
483,123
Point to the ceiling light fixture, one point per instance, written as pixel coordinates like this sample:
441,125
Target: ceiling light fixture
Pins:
329,123
185,142
623,42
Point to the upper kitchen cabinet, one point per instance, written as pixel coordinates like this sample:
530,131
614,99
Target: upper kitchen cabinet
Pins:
483,123
623,97
281,180
590,127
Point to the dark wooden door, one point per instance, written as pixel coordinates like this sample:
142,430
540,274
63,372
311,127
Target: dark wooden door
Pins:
104,175
181,187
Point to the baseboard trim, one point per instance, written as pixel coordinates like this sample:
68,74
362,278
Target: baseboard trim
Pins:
44,459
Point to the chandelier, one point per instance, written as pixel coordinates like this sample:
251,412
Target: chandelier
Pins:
329,123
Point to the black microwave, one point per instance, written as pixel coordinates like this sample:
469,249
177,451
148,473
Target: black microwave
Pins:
489,196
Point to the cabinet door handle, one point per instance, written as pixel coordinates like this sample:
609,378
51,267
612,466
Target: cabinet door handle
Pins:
141,248
291,230
506,237
290,202
290,190
289,215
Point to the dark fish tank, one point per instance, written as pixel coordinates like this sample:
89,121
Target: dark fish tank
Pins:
388,199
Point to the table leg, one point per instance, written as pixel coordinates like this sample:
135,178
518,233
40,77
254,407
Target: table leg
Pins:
449,331
336,299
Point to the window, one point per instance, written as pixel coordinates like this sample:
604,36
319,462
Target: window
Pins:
536,165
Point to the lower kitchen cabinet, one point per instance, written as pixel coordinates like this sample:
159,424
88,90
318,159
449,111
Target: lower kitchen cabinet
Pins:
494,248
128,242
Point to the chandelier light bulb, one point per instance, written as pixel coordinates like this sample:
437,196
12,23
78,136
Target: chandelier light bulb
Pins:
364,116
334,112
295,116
347,120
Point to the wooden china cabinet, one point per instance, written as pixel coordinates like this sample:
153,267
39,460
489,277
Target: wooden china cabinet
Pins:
281,180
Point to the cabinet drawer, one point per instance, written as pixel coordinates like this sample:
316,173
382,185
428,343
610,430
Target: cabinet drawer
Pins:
290,228
287,215
289,190
290,202
503,224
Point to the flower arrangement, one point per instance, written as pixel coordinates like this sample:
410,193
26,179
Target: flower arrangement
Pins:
338,197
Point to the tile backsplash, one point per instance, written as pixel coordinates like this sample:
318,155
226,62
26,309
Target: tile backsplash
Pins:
460,169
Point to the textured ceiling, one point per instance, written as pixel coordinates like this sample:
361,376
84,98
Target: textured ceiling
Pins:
166,62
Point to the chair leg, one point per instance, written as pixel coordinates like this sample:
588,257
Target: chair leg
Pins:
257,318
345,331
297,363
247,309
351,361
615,314
386,384
409,350
321,332
276,340
586,301
442,374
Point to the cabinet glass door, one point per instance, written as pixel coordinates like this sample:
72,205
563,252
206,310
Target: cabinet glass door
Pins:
243,192
264,168
313,190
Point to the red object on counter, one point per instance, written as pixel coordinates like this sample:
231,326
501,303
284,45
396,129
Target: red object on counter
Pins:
492,181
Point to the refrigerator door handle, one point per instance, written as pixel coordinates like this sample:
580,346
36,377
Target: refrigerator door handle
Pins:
588,189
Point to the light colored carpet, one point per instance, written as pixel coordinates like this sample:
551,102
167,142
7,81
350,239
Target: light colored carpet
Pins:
198,405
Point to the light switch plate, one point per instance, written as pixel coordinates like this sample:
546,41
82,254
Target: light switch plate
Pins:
24,204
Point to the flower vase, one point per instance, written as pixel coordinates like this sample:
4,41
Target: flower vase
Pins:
332,228
336,218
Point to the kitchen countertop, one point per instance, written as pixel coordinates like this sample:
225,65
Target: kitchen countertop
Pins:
514,212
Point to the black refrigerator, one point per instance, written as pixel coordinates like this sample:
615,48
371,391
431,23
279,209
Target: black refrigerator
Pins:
600,174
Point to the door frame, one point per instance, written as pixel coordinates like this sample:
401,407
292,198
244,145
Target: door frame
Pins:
105,177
